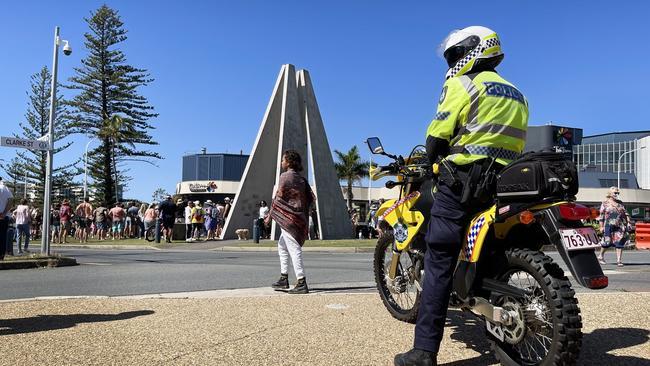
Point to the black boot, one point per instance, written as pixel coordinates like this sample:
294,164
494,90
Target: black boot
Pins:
416,357
282,283
301,287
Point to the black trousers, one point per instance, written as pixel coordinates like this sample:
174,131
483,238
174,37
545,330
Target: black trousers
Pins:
444,239
4,225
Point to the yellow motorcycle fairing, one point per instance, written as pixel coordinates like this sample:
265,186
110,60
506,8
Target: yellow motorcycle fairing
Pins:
476,232
376,173
480,225
405,223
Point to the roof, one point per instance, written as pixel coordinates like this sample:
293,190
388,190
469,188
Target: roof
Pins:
216,154
615,137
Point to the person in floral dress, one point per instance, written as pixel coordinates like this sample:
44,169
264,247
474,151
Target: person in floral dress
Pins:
614,223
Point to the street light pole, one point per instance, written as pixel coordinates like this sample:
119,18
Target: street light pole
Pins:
618,173
25,186
86,168
45,238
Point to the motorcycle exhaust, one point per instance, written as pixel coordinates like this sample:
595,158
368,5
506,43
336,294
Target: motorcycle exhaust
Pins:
494,314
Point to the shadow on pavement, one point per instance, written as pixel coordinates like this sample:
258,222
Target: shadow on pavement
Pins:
343,289
596,344
468,329
43,323
340,289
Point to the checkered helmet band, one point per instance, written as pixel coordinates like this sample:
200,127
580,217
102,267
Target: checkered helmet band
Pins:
466,63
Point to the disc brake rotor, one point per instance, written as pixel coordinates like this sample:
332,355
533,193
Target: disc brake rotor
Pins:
516,330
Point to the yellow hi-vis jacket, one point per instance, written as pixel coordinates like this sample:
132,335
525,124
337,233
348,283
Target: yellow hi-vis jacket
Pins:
481,115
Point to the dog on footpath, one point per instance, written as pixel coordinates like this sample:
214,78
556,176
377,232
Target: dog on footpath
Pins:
242,234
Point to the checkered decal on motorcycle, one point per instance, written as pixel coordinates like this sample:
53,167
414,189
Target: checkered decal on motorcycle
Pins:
492,42
471,237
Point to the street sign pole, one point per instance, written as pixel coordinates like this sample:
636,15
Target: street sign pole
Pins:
45,237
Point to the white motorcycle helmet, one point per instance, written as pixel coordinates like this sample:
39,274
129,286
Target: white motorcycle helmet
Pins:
469,49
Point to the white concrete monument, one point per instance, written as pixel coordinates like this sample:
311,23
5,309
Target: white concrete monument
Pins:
292,121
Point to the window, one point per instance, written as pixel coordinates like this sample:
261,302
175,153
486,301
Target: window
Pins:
606,183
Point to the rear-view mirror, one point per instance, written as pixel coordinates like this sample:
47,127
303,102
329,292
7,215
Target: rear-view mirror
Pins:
375,145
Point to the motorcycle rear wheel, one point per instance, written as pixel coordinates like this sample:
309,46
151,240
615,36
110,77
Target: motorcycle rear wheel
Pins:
401,297
552,325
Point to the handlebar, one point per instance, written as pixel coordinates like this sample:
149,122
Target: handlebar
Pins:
391,184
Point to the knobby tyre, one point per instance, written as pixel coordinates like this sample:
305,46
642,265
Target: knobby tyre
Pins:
401,297
552,333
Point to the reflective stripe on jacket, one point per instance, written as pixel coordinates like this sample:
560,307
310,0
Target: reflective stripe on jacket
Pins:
481,115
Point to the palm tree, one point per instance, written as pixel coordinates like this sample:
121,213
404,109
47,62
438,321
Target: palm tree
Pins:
350,168
115,133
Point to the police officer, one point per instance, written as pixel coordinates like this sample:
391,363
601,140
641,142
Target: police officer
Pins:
479,127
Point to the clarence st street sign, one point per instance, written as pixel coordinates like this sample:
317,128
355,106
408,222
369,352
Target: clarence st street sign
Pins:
24,144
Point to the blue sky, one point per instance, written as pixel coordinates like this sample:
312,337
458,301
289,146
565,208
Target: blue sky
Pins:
373,64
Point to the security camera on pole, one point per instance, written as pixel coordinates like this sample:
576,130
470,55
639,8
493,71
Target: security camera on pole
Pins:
67,50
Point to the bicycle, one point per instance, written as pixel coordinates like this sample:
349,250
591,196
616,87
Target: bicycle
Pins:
150,233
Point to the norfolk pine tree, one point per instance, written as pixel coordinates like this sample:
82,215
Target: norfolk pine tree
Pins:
16,176
30,165
108,89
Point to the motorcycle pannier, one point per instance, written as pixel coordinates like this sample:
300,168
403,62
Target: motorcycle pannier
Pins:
536,176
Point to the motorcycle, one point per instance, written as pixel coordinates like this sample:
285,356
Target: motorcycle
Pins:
529,307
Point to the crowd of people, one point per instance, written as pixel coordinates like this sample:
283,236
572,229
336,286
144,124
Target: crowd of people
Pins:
131,220
204,220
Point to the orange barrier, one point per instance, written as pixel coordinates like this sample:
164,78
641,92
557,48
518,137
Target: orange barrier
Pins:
642,236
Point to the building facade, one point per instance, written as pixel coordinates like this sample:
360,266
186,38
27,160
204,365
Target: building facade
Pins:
618,152
597,159
211,176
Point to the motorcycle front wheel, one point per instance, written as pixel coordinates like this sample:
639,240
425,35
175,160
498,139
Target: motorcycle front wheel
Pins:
400,295
546,330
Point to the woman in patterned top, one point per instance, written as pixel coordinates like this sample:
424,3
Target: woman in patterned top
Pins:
290,209
613,224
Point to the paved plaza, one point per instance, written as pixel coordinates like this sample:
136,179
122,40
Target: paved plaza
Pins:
259,327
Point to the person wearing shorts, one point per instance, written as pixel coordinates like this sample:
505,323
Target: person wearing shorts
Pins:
131,220
81,230
55,222
100,215
167,210
150,217
118,226
117,213
65,215
198,219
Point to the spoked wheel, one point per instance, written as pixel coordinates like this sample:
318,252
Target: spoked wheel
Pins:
150,234
546,326
400,295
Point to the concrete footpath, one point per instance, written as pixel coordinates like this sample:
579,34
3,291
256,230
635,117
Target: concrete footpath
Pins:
261,327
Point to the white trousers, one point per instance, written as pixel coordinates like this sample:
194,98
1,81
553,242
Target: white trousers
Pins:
289,247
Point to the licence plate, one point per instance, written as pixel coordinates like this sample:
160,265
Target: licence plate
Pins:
580,238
